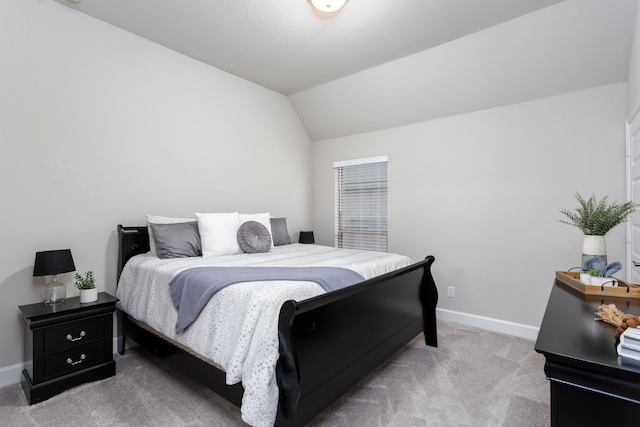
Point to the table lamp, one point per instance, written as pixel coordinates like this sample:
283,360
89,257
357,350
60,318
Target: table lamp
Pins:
52,263
306,237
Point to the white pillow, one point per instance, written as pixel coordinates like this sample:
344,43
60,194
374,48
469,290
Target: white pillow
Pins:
219,233
262,218
155,219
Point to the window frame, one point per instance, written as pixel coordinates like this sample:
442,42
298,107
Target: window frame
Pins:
367,197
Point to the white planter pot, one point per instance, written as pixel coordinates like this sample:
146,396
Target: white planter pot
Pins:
606,281
593,246
585,278
88,295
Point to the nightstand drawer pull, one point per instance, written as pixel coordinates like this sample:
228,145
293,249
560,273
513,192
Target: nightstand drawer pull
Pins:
71,338
71,362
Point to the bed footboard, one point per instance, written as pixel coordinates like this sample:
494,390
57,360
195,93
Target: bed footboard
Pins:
330,342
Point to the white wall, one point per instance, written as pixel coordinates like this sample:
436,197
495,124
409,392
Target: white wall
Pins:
100,127
481,192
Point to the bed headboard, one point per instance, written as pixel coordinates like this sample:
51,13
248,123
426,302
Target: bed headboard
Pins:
131,241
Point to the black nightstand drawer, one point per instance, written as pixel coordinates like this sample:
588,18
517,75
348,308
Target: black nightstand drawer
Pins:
74,359
73,334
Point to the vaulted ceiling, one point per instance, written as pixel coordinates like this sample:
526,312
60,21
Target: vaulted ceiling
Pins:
282,45
381,64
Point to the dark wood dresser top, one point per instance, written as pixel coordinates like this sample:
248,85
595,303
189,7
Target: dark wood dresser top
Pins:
580,349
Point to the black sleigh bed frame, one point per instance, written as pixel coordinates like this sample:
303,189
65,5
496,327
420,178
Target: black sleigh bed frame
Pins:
327,343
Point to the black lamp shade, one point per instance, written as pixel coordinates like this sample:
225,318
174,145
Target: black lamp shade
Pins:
306,237
53,262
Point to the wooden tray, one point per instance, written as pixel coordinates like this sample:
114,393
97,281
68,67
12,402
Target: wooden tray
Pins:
623,290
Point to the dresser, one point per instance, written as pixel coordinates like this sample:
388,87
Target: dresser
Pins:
590,385
66,345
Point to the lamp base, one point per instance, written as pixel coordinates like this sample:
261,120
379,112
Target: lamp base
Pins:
54,293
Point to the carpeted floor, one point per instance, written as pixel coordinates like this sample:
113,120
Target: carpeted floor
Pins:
474,378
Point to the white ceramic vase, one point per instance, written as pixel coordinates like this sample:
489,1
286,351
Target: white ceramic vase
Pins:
585,278
88,295
603,281
593,246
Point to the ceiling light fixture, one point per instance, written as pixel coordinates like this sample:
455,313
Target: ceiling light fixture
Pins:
327,9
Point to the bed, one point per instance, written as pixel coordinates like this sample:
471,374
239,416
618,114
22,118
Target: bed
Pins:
326,342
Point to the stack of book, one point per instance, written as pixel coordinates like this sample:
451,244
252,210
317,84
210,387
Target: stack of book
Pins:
629,345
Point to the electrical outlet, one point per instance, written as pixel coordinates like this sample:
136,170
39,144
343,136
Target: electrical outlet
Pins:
451,292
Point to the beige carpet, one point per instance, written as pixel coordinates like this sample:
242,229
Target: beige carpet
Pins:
474,378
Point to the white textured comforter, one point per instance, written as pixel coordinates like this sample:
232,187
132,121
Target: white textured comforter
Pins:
238,329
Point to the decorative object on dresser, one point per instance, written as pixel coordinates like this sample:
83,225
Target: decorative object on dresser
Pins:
595,218
596,272
621,290
307,237
52,263
67,344
86,284
629,345
627,331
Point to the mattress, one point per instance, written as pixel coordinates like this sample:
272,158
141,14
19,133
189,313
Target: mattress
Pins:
238,328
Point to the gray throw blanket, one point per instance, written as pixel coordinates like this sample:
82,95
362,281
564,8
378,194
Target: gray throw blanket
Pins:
192,289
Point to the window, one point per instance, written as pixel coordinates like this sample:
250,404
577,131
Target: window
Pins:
361,204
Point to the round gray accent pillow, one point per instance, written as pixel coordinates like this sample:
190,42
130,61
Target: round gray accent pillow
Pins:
254,238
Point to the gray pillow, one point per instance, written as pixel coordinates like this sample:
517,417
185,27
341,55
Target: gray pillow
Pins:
181,240
280,232
254,238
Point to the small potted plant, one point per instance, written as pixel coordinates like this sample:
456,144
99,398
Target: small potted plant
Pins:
585,276
86,284
597,278
596,272
595,218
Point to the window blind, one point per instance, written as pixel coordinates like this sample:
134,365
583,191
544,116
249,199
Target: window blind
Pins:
361,204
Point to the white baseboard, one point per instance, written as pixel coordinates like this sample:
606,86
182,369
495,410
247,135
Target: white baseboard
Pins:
488,323
13,374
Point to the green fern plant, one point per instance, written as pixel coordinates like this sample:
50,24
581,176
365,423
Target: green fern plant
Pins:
86,282
597,217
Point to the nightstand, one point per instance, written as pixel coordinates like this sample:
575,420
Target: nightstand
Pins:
68,344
